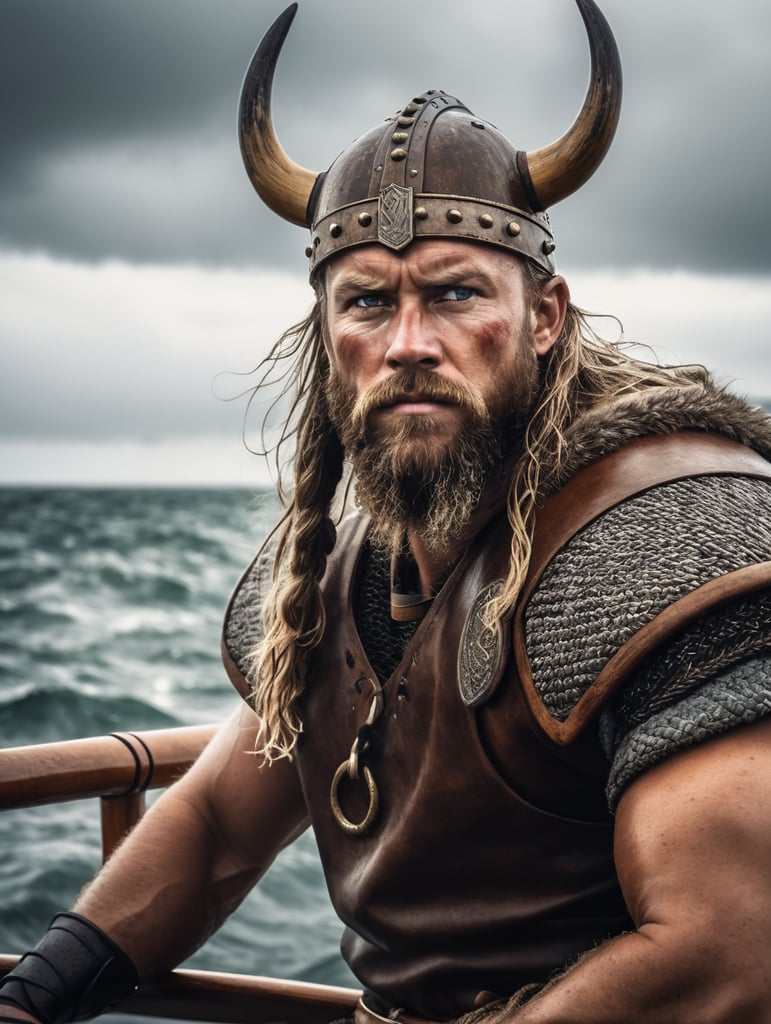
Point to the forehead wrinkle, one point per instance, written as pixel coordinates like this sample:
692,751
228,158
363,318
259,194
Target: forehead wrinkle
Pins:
434,256
354,273
425,267
358,280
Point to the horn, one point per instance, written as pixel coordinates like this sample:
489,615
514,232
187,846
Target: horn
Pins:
281,183
560,169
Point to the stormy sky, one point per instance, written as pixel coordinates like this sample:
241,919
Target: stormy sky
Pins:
140,275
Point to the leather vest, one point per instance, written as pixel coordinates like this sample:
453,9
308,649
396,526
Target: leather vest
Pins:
489,865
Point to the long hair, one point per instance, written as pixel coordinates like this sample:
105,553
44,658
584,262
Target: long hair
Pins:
581,371
293,613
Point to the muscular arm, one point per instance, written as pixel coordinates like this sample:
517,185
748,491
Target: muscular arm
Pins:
197,852
693,854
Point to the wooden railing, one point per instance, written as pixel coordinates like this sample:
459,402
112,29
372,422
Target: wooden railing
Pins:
119,770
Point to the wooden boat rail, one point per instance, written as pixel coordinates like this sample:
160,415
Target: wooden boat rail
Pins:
118,770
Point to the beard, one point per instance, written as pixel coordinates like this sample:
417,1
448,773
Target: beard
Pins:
406,477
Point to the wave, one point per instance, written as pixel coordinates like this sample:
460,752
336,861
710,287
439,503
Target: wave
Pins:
110,610
48,714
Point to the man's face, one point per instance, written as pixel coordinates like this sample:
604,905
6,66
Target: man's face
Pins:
434,370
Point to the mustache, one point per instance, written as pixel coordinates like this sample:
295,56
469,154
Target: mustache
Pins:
423,384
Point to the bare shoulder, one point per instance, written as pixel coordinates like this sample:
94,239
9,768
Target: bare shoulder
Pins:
256,806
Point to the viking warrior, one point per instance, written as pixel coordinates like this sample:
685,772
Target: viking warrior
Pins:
509,653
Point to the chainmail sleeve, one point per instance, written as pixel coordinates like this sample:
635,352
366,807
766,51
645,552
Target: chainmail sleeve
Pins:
739,695
714,676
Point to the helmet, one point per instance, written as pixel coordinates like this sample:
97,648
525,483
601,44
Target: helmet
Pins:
434,170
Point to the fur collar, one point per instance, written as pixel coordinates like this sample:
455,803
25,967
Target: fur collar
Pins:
659,410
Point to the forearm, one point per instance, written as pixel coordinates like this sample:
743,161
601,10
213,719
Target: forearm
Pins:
167,888
647,978
141,915
198,851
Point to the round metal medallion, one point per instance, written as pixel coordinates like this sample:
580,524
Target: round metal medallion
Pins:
480,655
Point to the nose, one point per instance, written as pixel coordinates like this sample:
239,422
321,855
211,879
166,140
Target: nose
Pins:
412,344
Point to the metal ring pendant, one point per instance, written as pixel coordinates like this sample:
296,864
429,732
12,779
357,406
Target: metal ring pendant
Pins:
346,824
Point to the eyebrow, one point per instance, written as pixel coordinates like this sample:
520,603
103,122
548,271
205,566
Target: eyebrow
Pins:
434,277
458,275
359,281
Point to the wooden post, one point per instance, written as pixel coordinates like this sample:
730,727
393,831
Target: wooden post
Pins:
119,815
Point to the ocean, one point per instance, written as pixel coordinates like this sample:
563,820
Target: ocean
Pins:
111,603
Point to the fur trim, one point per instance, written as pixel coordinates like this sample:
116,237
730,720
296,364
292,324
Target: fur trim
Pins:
699,406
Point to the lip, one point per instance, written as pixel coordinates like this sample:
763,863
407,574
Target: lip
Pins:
413,403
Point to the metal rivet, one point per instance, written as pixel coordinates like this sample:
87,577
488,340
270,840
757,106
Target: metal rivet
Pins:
411,108
405,122
400,136
513,228
309,251
316,241
365,219
486,220
421,213
548,248
413,173
420,100
379,167
398,154
335,230
454,216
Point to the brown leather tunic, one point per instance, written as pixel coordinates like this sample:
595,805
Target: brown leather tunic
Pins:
490,863
463,883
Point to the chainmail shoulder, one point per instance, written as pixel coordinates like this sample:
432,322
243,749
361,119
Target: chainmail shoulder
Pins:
625,567
243,627
737,696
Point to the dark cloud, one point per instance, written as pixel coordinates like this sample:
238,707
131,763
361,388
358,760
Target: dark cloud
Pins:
119,119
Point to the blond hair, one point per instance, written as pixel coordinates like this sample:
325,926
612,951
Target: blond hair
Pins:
293,613
581,371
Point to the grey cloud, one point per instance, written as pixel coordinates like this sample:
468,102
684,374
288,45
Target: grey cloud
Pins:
119,119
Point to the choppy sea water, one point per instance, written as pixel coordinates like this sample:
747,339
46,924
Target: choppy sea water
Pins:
111,604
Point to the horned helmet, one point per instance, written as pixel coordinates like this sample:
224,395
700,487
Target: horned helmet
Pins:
434,169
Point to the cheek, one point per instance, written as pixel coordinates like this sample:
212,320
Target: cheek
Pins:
497,334
354,357
506,367
339,349
494,344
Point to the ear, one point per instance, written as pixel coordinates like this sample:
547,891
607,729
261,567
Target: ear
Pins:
549,314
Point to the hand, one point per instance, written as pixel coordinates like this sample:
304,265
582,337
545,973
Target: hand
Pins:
492,1009
12,1015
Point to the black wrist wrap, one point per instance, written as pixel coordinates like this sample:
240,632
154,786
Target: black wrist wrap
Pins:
74,973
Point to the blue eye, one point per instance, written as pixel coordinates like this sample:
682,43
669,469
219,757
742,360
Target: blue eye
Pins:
369,301
458,294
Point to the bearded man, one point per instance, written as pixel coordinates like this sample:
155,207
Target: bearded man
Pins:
521,691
